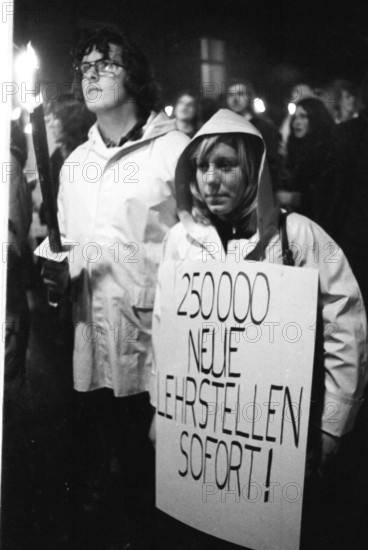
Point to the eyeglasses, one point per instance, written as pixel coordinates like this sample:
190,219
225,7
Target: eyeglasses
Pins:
101,66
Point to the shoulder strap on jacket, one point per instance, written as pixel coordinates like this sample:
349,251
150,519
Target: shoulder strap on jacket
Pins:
287,255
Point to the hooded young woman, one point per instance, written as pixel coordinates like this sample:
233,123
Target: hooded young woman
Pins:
224,198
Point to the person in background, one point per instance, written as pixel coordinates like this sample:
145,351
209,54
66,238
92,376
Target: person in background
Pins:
116,200
298,92
311,128
346,106
69,121
17,313
15,334
240,98
342,200
343,191
186,114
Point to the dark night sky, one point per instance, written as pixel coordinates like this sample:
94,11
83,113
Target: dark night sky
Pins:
318,40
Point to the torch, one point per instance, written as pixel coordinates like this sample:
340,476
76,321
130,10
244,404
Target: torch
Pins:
37,120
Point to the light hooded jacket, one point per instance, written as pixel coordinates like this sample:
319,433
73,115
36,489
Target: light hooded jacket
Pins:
117,204
343,360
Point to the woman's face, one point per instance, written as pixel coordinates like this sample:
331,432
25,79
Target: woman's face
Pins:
220,180
56,128
300,123
185,108
347,102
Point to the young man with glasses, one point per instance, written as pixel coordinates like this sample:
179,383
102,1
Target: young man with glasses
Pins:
116,202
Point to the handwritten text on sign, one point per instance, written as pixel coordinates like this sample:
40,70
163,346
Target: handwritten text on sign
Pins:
233,398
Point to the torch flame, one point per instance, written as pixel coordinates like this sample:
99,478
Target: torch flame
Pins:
26,65
31,54
259,105
291,109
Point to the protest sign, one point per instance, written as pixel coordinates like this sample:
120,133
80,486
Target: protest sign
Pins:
234,371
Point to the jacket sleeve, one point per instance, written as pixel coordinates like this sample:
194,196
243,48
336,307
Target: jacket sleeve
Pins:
344,326
169,253
155,338
60,202
156,323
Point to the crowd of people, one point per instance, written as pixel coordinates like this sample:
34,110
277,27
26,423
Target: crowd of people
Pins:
186,180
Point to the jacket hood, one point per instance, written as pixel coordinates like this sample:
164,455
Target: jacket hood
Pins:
225,122
157,125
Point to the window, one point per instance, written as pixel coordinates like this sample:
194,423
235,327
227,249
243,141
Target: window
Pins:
213,72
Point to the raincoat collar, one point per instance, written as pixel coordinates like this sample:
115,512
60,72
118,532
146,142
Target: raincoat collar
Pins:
157,124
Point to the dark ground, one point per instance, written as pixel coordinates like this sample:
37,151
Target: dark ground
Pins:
42,507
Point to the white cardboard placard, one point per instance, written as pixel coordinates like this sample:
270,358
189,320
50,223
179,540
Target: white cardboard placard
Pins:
234,361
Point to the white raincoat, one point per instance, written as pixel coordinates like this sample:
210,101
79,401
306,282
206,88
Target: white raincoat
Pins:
117,204
344,353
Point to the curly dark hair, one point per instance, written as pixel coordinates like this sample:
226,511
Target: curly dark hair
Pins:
320,120
139,82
